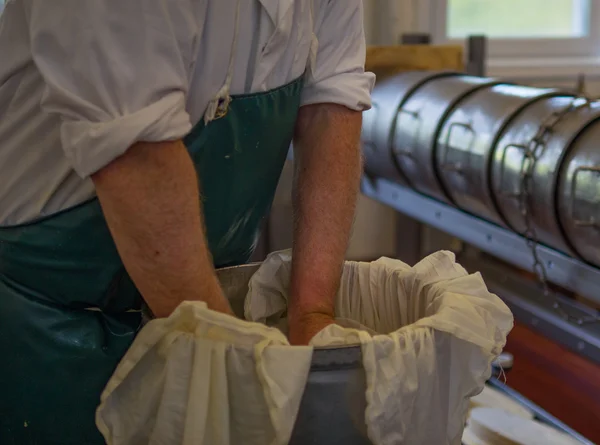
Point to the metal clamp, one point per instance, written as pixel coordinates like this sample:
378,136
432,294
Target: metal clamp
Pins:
455,167
527,154
404,152
592,222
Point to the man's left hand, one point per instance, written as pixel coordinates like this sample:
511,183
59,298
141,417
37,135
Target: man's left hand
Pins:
303,327
328,166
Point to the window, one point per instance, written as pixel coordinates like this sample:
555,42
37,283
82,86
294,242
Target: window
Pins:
504,19
521,32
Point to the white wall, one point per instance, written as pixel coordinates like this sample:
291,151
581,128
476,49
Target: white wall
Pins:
374,233
377,227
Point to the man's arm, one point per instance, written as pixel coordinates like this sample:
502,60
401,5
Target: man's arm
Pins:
150,200
328,163
119,90
328,168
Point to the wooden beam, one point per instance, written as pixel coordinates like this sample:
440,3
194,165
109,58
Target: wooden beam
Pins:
390,60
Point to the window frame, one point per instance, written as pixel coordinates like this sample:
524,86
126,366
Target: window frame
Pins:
433,17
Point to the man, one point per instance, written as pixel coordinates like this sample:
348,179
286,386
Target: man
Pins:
141,142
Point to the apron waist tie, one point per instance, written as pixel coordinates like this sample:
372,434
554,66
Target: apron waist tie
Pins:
97,309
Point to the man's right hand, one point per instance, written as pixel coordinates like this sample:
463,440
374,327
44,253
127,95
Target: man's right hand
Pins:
151,202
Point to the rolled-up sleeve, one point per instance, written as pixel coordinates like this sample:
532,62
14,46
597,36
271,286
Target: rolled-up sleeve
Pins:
116,73
338,76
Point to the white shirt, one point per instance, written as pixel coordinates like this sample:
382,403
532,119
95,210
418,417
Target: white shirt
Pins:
82,80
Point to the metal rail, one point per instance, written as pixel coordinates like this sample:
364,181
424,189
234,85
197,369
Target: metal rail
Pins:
563,270
533,309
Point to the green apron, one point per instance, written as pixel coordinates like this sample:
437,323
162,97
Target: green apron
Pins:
68,309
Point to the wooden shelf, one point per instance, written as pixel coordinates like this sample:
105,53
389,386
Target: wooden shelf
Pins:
389,60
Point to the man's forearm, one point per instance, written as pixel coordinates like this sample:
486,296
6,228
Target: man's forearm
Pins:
150,200
328,167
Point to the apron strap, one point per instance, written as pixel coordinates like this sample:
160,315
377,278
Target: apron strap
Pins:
219,105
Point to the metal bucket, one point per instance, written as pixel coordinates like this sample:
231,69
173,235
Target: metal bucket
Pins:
333,406
514,152
378,122
467,141
420,120
579,194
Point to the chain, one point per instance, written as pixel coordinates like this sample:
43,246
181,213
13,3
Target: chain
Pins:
530,159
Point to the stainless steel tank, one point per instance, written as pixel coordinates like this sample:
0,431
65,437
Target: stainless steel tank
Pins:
333,406
467,141
378,122
579,194
560,119
419,121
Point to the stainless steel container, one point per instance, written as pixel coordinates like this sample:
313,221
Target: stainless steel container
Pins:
467,141
515,151
420,119
378,122
579,194
333,406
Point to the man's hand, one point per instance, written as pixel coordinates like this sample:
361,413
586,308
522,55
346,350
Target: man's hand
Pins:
303,327
151,202
328,168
